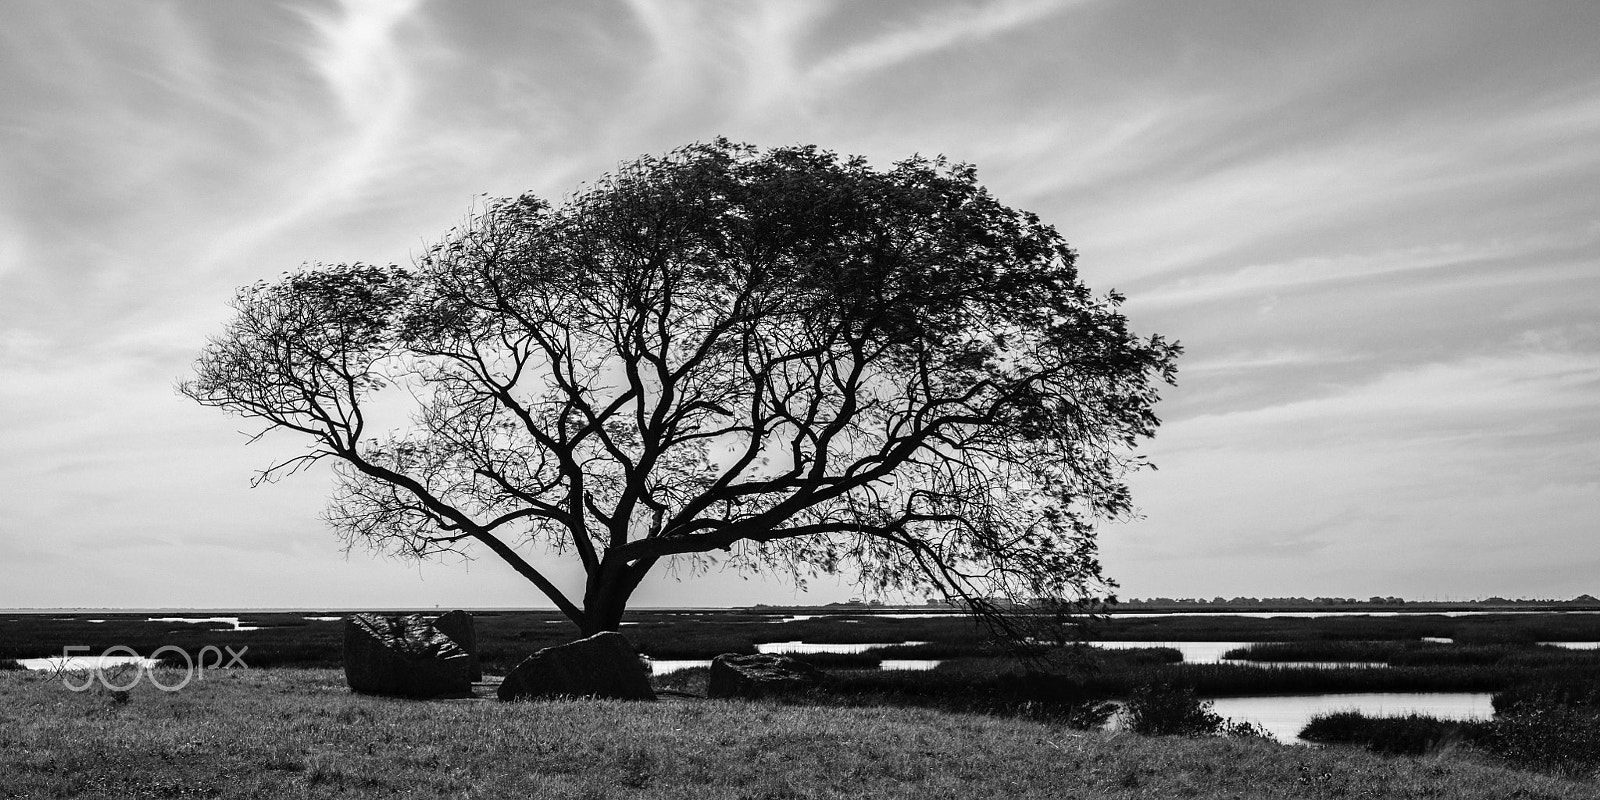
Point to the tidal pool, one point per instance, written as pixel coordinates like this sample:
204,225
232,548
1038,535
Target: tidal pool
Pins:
234,621
75,663
663,666
815,647
1212,652
908,615
908,663
1285,716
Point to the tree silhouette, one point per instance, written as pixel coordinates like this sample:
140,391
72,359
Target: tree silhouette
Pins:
777,359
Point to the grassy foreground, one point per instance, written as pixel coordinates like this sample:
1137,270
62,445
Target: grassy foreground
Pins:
295,733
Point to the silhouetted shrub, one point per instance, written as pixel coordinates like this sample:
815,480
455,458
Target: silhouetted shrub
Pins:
1164,709
1580,689
1539,733
1542,733
985,686
1409,735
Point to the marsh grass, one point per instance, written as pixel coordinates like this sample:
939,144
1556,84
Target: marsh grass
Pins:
1414,734
300,733
1578,688
506,637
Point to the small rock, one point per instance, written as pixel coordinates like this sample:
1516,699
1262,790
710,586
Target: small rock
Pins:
603,665
759,675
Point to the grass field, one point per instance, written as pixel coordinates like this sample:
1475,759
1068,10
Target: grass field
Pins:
300,732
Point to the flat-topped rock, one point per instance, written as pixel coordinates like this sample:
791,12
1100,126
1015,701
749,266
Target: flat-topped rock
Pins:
759,675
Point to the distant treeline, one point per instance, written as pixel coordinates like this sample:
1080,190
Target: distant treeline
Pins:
1583,601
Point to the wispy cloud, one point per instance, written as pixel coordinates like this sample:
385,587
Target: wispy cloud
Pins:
930,33
359,55
1306,273
1374,229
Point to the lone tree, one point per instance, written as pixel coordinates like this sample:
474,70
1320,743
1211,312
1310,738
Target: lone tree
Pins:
777,359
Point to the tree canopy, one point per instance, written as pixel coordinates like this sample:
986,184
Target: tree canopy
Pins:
778,359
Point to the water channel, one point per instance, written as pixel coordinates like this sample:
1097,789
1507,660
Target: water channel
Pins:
77,663
1285,716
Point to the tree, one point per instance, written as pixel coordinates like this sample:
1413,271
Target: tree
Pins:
778,359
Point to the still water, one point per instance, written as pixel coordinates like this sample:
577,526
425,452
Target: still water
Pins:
813,647
59,664
1285,716
662,666
234,621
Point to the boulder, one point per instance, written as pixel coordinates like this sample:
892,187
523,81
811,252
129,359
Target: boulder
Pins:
404,657
603,665
458,626
759,675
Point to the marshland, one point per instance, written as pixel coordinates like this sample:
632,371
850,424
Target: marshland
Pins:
966,720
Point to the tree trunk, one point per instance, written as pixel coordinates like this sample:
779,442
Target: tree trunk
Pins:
606,597
602,614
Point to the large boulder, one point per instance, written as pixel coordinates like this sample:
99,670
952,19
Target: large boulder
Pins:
603,665
404,656
458,626
759,675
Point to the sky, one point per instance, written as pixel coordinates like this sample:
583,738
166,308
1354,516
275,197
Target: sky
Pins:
1374,227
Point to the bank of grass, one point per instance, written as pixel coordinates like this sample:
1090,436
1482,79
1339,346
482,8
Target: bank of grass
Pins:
1420,654
1547,736
298,733
1510,628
